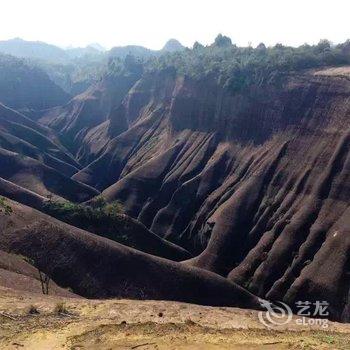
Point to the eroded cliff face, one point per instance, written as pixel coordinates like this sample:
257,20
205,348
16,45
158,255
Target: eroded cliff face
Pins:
88,121
256,184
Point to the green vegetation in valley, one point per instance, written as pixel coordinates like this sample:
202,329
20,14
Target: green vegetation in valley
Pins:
4,207
105,219
97,210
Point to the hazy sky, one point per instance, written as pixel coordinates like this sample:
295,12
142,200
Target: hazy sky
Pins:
151,22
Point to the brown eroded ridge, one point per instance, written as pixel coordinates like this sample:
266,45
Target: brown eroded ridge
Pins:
159,185
255,185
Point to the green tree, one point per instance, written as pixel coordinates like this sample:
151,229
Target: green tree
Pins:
222,41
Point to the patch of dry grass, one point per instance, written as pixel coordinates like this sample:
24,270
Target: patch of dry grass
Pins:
65,323
190,335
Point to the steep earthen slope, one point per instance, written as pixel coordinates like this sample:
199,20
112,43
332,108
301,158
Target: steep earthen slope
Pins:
97,267
84,123
117,227
22,195
18,274
41,179
256,182
22,135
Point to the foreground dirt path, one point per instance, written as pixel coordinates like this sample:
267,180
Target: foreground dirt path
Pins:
31,321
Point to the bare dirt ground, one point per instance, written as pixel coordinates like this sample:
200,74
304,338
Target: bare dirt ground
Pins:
34,321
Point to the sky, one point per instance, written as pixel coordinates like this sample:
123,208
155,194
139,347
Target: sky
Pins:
151,23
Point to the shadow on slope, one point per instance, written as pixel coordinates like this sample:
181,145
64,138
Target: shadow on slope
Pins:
108,220
18,274
100,268
37,177
111,224
22,135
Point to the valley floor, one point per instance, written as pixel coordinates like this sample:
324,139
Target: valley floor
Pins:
74,323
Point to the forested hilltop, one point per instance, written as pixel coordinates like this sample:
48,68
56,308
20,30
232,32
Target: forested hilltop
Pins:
25,85
74,70
236,67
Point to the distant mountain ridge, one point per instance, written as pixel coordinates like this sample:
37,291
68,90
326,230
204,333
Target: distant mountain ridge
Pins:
74,69
48,52
171,45
33,49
